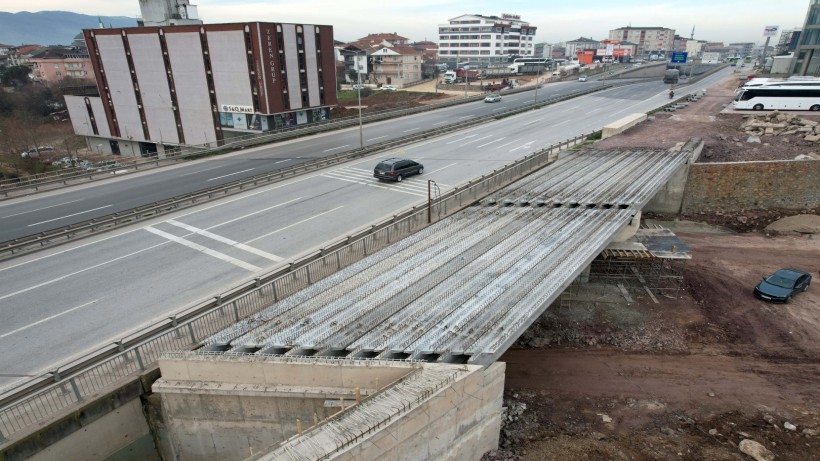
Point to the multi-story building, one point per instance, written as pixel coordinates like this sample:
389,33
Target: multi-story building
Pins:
572,47
167,13
485,39
542,50
807,54
57,63
788,42
396,65
615,51
202,84
648,40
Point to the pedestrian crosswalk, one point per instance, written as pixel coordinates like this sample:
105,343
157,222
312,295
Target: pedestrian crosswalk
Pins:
414,185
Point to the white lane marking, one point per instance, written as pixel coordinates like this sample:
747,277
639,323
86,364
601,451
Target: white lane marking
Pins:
251,214
70,215
478,139
226,240
230,174
523,146
294,224
411,129
534,121
445,166
40,209
462,139
559,124
442,123
282,161
467,116
201,171
487,144
500,108
373,139
47,319
336,148
511,142
203,249
62,277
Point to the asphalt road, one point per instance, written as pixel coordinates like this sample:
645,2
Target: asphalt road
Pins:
67,301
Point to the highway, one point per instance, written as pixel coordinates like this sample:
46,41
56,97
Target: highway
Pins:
70,300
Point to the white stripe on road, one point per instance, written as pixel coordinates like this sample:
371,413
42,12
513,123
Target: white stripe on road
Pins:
255,212
202,249
373,139
40,209
511,142
442,123
226,240
282,161
46,319
479,139
294,224
559,124
462,139
336,148
487,144
411,129
70,215
230,174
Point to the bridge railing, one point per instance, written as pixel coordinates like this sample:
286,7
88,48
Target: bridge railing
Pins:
41,399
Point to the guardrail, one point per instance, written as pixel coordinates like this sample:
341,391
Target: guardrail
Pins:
60,235
48,181
36,401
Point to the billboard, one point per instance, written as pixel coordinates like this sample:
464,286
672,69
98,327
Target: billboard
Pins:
710,58
770,31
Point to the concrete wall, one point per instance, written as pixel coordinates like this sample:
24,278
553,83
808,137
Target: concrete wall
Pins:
669,200
619,126
460,422
790,184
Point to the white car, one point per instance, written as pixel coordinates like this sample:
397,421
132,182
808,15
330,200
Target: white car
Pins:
389,87
582,78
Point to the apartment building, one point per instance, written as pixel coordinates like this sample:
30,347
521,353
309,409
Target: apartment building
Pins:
57,63
572,47
485,39
648,40
201,85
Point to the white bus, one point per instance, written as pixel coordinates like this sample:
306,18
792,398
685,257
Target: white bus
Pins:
778,97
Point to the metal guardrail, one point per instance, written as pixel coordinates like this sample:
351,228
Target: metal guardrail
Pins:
36,401
48,181
63,234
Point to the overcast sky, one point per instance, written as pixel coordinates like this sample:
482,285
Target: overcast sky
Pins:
714,20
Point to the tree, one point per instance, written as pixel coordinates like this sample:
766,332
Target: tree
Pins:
16,76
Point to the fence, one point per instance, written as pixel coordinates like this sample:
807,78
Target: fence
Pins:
35,402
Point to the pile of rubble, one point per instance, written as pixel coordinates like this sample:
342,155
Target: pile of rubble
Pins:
780,124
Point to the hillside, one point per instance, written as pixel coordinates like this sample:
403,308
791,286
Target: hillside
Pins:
52,27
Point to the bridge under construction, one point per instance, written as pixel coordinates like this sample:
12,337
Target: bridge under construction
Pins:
464,289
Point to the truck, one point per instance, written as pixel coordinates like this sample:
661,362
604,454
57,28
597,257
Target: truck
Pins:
520,68
460,75
566,69
671,76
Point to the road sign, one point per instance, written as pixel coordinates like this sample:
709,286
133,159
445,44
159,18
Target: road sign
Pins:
679,56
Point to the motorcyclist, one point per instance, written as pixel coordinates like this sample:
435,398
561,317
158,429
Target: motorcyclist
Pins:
671,94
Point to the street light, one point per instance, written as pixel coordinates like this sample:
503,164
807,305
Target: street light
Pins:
359,91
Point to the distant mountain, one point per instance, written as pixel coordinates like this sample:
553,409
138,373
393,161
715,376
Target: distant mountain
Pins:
52,27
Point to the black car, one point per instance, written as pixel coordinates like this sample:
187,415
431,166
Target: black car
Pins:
396,169
782,285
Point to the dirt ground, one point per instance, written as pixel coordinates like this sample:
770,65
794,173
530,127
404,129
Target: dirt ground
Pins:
686,377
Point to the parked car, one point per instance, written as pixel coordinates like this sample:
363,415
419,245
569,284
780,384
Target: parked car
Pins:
389,87
35,152
358,86
782,285
396,169
493,97
582,78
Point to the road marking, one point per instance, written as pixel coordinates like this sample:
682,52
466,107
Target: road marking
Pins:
336,148
487,144
294,224
559,124
70,215
467,116
47,319
411,129
534,121
500,108
462,139
445,166
282,161
526,145
230,174
40,209
441,123
373,139
479,139
511,142
203,249
226,240
251,214
201,171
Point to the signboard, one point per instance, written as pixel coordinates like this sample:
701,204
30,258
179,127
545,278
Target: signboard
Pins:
236,109
517,17
710,58
610,48
770,31
679,56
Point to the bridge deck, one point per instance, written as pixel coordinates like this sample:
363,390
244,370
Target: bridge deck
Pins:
465,288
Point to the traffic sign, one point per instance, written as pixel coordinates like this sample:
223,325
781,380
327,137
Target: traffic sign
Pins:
679,56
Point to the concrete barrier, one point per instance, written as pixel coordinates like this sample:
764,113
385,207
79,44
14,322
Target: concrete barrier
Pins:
619,126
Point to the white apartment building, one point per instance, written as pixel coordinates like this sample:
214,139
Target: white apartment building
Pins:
485,39
649,40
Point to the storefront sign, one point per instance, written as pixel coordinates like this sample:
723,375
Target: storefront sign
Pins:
236,109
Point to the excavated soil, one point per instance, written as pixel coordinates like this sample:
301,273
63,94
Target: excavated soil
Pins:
685,376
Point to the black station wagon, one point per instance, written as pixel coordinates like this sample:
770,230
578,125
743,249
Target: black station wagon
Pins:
396,169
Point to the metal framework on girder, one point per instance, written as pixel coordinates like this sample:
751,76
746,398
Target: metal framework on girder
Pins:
465,288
